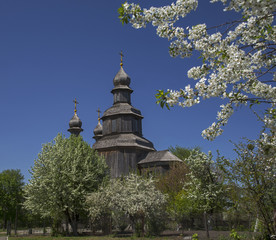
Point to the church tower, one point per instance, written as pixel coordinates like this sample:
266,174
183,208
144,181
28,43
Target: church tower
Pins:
119,139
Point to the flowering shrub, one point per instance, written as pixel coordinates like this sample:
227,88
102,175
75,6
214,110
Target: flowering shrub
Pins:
133,195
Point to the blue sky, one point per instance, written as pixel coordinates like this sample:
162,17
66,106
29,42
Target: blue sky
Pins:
53,51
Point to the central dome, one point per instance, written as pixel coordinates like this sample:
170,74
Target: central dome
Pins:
121,78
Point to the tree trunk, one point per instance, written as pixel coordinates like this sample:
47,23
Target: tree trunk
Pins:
266,217
5,221
192,220
142,226
256,224
74,225
15,222
66,227
132,223
44,228
9,228
206,225
72,219
107,224
274,220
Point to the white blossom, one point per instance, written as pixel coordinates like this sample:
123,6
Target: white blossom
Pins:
133,195
238,62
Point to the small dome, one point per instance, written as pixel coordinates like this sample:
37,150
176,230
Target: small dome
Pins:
121,78
98,129
75,122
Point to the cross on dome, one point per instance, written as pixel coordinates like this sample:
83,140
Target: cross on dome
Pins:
121,64
75,101
99,114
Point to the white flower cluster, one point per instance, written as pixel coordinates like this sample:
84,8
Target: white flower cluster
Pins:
133,195
238,61
204,186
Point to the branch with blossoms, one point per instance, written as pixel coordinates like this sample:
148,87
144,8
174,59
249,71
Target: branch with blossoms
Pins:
237,63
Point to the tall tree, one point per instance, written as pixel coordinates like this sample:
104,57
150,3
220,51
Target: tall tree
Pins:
254,173
205,187
11,192
238,57
195,187
172,184
66,170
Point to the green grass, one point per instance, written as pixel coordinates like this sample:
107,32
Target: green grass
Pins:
89,238
214,235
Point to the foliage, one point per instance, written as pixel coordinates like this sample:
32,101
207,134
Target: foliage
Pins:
195,236
254,171
238,57
181,152
133,195
172,183
100,205
66,170
205,187
193,187
234,235
205,191
11,192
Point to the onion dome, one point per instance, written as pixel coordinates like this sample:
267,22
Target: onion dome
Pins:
98,131
121,78
75,123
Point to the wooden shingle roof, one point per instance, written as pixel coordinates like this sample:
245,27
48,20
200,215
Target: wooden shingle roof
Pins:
159,157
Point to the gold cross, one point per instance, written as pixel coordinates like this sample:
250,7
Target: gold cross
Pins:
99,114
121,64
75,101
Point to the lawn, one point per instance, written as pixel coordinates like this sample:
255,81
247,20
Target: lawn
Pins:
186,235
93,238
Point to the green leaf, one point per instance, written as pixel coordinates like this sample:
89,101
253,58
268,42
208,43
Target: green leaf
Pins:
161,97
124,18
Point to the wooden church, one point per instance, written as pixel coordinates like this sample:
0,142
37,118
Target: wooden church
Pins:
119,138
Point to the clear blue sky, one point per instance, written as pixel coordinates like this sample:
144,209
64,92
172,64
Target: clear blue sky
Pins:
52,51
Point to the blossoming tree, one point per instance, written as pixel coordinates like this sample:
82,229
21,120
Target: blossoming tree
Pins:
254,173
66,170
238,57
135,196
205,188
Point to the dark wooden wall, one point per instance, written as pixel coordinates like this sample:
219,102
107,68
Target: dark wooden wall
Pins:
122,124
122,161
